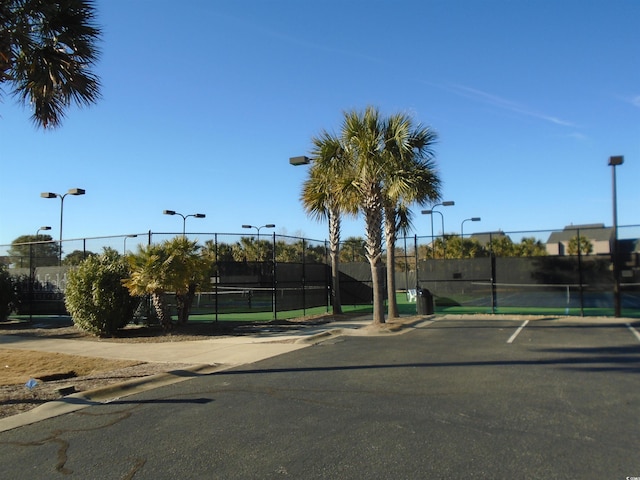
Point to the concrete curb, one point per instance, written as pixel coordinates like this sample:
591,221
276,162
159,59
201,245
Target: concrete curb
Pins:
102,395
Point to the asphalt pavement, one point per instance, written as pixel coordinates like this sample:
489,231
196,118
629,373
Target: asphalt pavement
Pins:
474,397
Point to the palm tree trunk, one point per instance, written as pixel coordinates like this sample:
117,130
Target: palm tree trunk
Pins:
161,310
390,230
185,301
334,252
373,225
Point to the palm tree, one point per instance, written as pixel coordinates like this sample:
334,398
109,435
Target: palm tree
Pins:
187,270
46,51
148,277
409,177
174,266
324,197
363,141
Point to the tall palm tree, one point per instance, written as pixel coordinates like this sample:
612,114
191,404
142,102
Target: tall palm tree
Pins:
324,197
409,177
362,136
47,48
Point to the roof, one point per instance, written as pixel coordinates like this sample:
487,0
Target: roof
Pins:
596,232
484,238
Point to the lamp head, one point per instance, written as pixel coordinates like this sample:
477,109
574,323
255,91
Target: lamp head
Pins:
199,215
169,212
76,191
270,225
426,212
475,219
247,226
616,160
299,160
45,228
448,203
48,195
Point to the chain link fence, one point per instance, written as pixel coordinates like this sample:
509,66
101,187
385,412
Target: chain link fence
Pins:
580,270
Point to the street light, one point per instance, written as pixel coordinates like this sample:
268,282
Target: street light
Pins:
124,247
184,218
268,225
448,203
72,191
41,229
613,163
472,219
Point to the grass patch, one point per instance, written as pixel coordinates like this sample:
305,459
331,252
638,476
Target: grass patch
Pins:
18,366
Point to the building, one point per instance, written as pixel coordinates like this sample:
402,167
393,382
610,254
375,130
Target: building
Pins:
600,237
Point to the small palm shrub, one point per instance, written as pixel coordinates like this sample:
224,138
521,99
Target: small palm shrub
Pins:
96,298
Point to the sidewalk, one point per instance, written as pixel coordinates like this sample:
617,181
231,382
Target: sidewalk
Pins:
226,350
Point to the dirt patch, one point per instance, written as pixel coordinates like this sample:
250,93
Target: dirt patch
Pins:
53,372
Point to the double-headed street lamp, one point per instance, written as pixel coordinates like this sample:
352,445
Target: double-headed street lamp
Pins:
184,218
430,212
268,225
613,163
72,191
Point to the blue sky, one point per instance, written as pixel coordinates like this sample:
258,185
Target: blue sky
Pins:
204,102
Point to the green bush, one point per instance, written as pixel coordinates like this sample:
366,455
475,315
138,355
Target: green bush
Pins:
95,297
7,293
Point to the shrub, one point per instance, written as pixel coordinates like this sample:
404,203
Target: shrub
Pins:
95,297
7,293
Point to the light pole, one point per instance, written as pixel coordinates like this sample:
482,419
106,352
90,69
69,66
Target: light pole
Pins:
430,212
268,225
472,219
613,163
124,246
184,218
72,191
31,249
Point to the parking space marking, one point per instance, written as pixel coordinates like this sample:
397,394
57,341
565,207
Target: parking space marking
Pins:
517,332
634,331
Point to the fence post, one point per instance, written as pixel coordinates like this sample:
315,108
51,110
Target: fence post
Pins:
328,277
415,245
274,296
580,276
494,293
216,272
304,274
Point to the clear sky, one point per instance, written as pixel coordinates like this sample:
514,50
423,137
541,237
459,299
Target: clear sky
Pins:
204,101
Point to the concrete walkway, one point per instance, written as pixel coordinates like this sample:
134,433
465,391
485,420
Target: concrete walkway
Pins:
225,350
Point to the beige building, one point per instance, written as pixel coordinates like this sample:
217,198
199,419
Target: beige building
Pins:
601,238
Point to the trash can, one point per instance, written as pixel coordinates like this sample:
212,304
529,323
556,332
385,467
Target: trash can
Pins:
424,302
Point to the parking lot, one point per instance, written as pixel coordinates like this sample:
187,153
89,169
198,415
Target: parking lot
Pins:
472,397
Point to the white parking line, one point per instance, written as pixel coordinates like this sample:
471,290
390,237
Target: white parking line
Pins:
513,337
634,331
